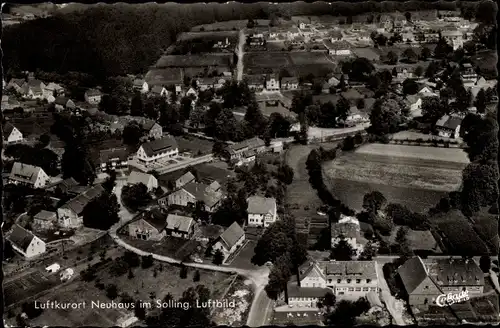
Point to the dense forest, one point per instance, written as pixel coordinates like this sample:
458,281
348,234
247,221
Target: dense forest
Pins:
110,40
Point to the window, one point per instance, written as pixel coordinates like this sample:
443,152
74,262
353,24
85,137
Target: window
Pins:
349,281
351,289
368,281
358,289
358,281
339,281
341,293
365,289
426,287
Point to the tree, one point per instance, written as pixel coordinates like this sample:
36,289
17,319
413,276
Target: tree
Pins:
255,119
183,272
408,16
419,71
278,126
425,53
410,87
137,105
251,23
218,257
109,183
480,101
329,301
135,196
361,69
479,186
139,311
285,174
345,312
410,56
130,274
392,58
374,201
101,212
132,133
146,261
111,291
433,109
132,259
485,263
196,276
342,84
219,149
432,69
342,251
76,163
186,107
278,278
369,252
443,49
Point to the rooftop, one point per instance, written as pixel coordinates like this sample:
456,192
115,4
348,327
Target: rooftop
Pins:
261,205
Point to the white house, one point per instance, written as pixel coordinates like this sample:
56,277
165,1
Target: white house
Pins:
28,175
52,90
449,126
348,231
289,83
141,85
45,220
180,226
184,180
159,91
230,240
11,134
192,92
93,96
147,179
33,89
338,48
155,150
25,242
426,92
415,103
261,211
272,83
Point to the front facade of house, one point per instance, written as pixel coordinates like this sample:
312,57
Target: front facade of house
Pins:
144,230
181,198
93,97
255,144
272,83
262,212
156,131
45,220
449,127
28,175
180,226
113,159
147,179
12,134
153,151
289,83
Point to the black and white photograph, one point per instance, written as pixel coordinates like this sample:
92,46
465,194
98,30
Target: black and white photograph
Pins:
250,164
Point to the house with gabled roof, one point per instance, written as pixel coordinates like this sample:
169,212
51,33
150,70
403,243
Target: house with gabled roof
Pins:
68,186
448,126
180,226
424,280
30,175
45,220
62,103
348,231
70,215
146,179
230,240
11,134
25,242
113,159
289,83
262,211
155,150
255,82
140,85
254,144
152,129
33,89
338,48
192,193
184,180
16,84
53,90
150,226
272,82
93,96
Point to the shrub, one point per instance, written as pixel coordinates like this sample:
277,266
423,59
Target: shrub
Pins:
147,261
111,291
196,276
183,272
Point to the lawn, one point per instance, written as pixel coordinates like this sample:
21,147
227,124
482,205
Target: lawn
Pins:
276,60
308,58
164,76
194,60
193,145
244,257
27,286
417,177
166,280
210,35
487,63
214,171
177,248
418,240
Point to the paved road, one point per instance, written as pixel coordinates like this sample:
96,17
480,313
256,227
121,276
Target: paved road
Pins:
186,163
387,298
241,53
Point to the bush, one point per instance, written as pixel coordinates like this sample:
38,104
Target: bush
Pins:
196,276
99,285
111,291
119,268
183,272
132,259
147,261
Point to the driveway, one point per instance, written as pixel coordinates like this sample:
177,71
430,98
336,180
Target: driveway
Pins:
124,213
387,298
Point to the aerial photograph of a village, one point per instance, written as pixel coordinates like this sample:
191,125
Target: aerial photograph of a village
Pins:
250,164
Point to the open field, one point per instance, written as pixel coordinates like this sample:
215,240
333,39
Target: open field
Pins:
241,293
212,35
174,247
164,76
229,25
418,240
307,58
220,59
414,176
28,285
487,63
267,60
297,63
193,145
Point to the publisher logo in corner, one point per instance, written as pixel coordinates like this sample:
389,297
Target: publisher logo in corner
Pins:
452,298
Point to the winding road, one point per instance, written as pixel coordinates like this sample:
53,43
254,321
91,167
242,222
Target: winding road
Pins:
240,53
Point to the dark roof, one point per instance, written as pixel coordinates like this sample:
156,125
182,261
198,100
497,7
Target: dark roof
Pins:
45,215
203,193
106,155
250,143
154,147
449,122
78,203
93,92
25,172
351,94
20,237
338,45
7,129
456,272
289,80
261,205
232,234
313,292
156,218
61,101
350,269
413,272
179,223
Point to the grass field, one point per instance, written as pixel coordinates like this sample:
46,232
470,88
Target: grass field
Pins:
487,63
195,146
177,248
414,176
212,35
164,76
27,286
194,60
267,60
229,25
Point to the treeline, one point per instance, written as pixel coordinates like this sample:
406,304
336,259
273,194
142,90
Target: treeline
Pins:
110,40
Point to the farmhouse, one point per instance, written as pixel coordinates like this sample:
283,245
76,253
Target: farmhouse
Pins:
155,150
184,180
30,175
230,240
16,84
45,220
425,280
146,179
272,83
53,90
9,103
152,129
414,102
159,91
67,186
25,242
11,134
33,89
192,193
468,74
70,215
236,150
426,92
348,231
289,83
62,103
141,86
93,96
449,126
262,211
353,279
338,48
150,226
113,159
180,226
